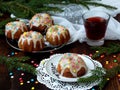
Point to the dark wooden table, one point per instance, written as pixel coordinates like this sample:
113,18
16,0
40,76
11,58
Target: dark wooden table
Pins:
29,81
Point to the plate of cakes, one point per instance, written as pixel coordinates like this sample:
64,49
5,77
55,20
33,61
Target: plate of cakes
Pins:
62,71
69,67
42,33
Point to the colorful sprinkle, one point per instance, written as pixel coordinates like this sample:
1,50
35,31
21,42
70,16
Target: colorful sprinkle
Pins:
119,75
16,53
32,88
90,55
108,78
11,76
28,81
92,89
74,71
21,83
97,51
10,73
102,56
107,62
32,80
18,69
22,74
114,56
36,82
111,66
114,60
12,53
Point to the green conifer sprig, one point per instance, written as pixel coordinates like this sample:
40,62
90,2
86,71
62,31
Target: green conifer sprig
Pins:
99,4
109,49
3,23
100,75
15,62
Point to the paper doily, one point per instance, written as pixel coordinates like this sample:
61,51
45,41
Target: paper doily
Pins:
54,84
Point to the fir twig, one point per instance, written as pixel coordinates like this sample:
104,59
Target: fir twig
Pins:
100,4
3,23
100,74
15,62
109,49
86,3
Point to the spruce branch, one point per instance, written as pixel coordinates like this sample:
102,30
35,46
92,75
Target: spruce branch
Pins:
15,62
100,4
109,49
100,74
3,23
87,3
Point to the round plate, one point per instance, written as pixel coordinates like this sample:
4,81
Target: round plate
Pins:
48,48
51,66
57,20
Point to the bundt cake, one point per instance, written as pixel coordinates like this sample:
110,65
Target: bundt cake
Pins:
71,65
40,22
31,41
13,30
57,35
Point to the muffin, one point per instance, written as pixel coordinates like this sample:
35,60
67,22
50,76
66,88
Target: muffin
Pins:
13,30
57,35
31,41
71,65
40,22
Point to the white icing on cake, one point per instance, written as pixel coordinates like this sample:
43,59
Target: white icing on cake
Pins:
41,19
56,30
73,62
32,35
13,27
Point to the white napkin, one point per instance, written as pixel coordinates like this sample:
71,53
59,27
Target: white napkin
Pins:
77,31
113,30
115,3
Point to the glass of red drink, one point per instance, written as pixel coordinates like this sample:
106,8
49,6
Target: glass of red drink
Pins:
95,23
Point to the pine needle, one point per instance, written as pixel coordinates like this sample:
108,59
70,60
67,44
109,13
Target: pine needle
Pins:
109,49
15,62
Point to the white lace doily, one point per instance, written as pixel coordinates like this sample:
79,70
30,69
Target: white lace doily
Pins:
54,84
